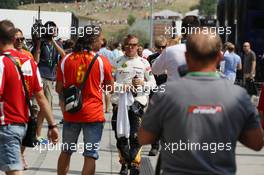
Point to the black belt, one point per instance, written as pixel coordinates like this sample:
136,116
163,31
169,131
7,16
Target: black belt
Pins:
15,124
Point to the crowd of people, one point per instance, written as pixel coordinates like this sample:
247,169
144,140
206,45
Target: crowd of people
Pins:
177,97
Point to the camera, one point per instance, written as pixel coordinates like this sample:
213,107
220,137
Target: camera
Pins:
37,29
43,32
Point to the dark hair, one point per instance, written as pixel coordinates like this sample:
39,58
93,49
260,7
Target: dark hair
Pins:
50,24
86,42
116,45
204,47
47,26
104,42
188,22
146,45
68,44
7,31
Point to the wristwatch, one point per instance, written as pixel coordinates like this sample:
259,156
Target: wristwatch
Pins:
52,126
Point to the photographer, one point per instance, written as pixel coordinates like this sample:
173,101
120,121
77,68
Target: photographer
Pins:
47,52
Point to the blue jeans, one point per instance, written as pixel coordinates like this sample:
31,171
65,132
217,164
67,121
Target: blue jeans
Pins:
10,155
92,134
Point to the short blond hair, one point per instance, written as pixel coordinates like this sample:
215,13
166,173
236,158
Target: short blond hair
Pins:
160,40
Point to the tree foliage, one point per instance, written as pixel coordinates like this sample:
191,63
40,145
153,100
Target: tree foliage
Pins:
207,7
131,19
8,4
121,34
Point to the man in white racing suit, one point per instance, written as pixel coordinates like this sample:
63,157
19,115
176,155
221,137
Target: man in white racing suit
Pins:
134,77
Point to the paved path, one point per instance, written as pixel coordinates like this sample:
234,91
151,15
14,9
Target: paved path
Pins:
43,162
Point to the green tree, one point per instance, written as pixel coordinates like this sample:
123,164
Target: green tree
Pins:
121,34
8,4
131,19
207,7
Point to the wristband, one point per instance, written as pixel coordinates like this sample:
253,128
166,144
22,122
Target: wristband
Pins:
52,126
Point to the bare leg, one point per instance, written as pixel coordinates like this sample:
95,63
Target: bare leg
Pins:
63,163
107,102
88,166
25,165
14,173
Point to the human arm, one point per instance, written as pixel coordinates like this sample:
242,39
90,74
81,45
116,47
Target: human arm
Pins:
37,51
253,66
239,64
58,48
53,133
152,121
252,134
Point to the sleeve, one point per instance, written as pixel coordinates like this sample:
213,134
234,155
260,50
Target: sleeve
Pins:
224,59
107,70
153,118
254,56
158,66
150,81
239,60
2,75
250,113
59,72
261,100
37,78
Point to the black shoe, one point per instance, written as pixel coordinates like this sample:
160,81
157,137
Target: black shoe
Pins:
124,170
134,170
153,152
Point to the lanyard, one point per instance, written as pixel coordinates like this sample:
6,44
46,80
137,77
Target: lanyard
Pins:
51,51
204,74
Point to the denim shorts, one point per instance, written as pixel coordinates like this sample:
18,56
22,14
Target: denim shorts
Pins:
10,155
92,134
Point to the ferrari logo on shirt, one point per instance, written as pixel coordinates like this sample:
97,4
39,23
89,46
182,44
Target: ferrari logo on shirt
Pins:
205,109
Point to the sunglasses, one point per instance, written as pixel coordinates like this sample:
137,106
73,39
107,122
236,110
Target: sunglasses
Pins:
161,47
131,45
20,39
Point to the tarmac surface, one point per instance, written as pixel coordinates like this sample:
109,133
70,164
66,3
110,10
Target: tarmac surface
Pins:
43,160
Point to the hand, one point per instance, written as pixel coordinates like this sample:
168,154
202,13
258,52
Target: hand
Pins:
137,82
53,135
53,40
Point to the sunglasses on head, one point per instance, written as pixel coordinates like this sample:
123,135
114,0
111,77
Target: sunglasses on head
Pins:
20,39
161,47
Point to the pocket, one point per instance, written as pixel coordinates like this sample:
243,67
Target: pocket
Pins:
16,131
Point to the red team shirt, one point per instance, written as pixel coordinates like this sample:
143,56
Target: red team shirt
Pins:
71,71
13,107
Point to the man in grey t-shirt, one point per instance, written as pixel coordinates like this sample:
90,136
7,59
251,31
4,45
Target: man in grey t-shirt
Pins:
199,131
249,65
